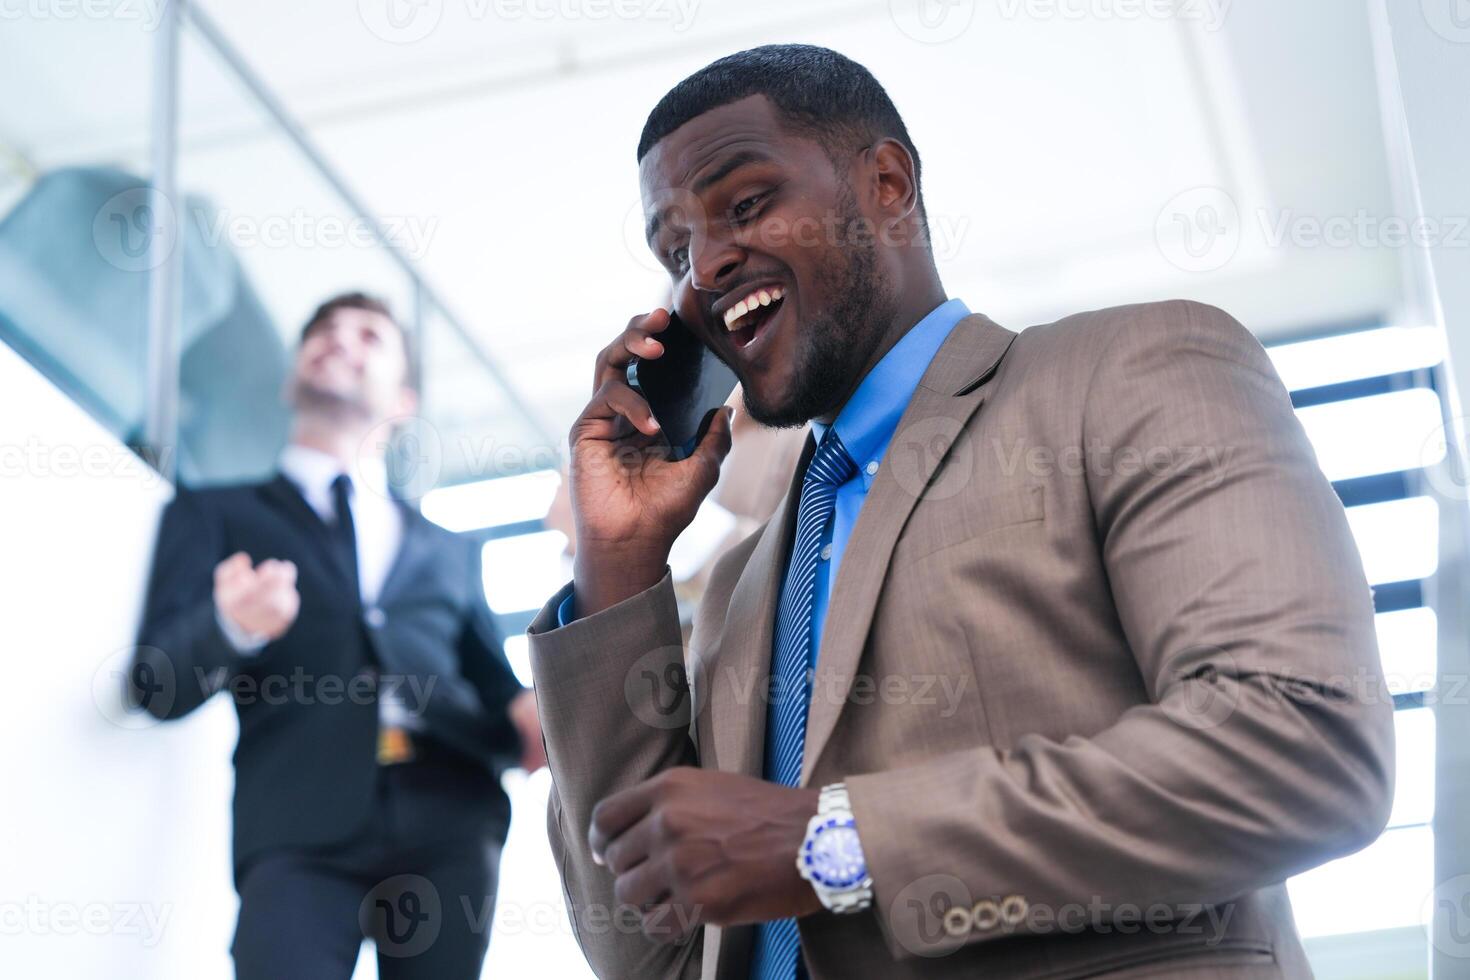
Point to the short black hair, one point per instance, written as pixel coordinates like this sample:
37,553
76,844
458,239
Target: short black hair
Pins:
366,301
820,93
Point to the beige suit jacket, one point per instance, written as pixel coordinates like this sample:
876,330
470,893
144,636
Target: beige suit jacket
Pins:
1099,670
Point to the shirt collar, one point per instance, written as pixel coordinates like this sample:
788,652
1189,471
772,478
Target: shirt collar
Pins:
313,471
868,420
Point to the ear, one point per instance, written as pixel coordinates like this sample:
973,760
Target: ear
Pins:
408,401
898,190
896,195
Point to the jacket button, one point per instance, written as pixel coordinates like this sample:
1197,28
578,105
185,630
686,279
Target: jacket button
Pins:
374,617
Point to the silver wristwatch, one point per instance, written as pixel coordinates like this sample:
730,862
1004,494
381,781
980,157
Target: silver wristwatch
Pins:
831,856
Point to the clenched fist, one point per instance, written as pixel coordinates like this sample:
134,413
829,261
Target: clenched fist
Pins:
523,714
261,599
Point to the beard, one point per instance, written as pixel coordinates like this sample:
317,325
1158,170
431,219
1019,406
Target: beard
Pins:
835,345
304,396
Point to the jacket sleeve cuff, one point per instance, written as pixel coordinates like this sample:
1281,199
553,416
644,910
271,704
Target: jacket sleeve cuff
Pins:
619,634
560,611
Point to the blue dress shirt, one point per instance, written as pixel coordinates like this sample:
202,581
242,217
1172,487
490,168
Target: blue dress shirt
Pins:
866,425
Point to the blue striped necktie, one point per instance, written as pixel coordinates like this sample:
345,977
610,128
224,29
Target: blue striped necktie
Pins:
777,943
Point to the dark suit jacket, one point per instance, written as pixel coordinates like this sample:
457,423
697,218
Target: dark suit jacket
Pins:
306,759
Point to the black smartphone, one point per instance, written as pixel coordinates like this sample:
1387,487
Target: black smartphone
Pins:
684,387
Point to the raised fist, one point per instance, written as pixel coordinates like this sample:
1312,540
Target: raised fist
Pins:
261,600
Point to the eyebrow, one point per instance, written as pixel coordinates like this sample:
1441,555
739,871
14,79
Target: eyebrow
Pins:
731,164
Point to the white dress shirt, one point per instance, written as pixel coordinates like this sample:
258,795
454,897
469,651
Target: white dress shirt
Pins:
376,519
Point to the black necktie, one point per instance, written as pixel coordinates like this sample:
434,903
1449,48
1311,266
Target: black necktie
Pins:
344,535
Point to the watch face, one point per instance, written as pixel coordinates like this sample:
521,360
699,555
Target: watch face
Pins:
833,856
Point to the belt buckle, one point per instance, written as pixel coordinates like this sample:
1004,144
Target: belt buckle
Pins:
395,746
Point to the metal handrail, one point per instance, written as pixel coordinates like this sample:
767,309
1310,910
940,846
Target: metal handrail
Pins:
165,278
425,294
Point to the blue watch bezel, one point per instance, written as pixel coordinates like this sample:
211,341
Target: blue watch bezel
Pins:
827,881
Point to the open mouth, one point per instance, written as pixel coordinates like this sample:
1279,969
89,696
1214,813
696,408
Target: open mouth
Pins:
748,319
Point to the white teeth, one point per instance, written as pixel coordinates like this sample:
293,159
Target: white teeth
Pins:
762,297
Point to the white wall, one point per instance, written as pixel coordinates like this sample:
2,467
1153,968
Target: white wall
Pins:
115,829
114,832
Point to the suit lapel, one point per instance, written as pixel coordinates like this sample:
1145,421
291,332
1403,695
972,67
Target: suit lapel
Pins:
282,494
742,667
413,550
952,390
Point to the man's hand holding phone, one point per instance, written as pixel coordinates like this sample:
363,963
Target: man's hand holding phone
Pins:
630,501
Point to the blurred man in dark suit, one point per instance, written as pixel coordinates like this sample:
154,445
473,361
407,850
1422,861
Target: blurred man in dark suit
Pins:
376,706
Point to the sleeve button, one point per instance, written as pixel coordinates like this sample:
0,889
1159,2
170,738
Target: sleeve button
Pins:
986,914
958,920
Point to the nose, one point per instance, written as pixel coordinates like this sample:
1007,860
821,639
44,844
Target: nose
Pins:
713,259
333,339
338,336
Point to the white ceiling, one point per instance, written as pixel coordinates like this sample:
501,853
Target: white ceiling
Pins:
1053,146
